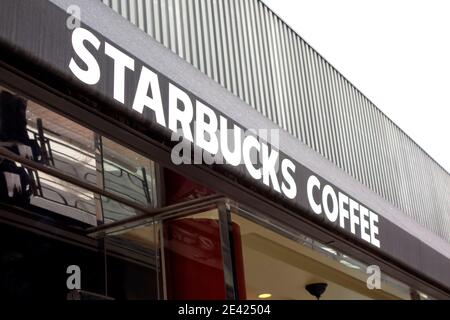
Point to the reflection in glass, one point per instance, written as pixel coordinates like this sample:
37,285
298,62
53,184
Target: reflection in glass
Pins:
65,198
64,144
123,266
128,174
33,266
15,181
193,257
114,211
132,263
282,265
34,132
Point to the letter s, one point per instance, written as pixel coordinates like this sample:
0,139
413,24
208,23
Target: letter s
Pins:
92,74
291,190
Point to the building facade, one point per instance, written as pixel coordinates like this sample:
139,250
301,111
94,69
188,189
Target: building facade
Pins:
212,154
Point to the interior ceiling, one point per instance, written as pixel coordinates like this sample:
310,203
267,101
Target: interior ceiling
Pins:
282,267
286,281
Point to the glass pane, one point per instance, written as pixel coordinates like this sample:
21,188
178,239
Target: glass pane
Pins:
115,211
279,265
30,130
193,257
59,196
132,263
33,266
66,145
131,267
34,132
129,175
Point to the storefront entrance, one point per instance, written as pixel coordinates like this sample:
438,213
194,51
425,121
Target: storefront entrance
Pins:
74,199
213,248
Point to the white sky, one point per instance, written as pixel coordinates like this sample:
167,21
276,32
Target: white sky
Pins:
397,52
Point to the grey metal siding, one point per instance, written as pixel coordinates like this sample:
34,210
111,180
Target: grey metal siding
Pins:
250,51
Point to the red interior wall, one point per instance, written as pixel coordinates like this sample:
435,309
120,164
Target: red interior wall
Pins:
192,248
194,265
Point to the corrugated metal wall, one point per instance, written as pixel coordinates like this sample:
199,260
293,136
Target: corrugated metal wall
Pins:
246,48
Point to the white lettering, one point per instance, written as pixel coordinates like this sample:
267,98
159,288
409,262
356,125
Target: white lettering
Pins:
313,182
354,219
202,127
268,167
184,117
373,218
233,158
251,142
289,191
343,212
328,191
343,208
121,62
149,79
92,74
363,215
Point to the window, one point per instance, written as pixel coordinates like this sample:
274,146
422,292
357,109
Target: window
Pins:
279,264
31,131
71,179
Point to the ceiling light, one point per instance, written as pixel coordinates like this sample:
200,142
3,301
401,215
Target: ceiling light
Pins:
348,264
328,249
423,295
264,295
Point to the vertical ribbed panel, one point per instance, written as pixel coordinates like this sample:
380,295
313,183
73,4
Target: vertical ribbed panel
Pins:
247,49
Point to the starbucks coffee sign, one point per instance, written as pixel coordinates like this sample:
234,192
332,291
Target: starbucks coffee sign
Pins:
224,141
